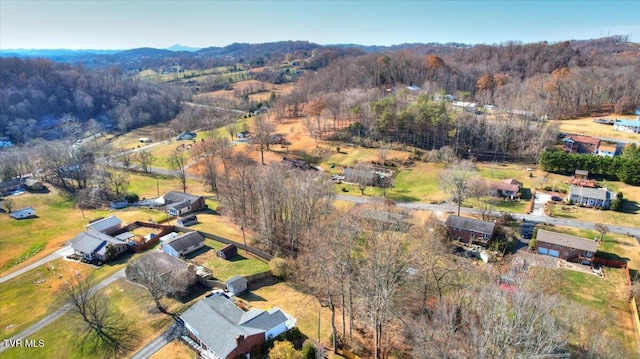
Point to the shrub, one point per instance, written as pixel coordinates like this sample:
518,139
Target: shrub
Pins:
309,351
132,197
278,267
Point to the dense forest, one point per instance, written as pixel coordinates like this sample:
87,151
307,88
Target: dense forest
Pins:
362,88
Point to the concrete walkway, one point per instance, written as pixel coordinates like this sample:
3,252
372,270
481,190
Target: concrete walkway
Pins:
60,312
173,332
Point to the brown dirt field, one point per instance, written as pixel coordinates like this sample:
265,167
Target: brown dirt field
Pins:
586,126
280,89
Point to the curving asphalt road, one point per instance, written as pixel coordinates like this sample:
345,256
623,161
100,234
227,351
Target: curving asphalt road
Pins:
448,207
60,312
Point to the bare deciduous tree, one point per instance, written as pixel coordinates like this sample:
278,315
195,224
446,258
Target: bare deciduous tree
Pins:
105,329
119,181
161,278
145,159
263,135
455,181
178,164
602,228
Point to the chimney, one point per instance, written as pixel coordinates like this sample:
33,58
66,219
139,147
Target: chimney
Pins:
239,340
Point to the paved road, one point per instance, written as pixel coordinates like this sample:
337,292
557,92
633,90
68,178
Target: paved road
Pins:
173,332
448,207
55,255
212,107
60,312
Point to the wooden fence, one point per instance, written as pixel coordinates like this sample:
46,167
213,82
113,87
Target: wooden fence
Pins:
610,262
264,255
636,317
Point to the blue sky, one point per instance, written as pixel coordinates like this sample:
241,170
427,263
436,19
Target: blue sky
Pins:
115,24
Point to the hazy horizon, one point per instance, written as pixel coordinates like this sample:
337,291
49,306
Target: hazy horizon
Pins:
123,25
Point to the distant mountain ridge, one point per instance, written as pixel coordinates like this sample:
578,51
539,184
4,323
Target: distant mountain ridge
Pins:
178,47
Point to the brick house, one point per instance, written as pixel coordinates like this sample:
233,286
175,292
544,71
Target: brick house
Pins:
581,144
470,230
220,329
564,246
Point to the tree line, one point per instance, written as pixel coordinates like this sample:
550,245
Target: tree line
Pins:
36,94
625,167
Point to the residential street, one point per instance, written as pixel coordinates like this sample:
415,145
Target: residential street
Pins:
58,313
55,255
173,332
447,207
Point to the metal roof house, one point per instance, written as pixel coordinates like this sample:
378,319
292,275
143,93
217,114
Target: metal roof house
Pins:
92,245
220,329
627,126
27,212
183,244
107,225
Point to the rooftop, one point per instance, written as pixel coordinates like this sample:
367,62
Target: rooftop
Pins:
566,240
470,223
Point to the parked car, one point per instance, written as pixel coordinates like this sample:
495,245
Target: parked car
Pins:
556,199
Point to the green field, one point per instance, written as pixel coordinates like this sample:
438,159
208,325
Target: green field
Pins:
63,338
35,292
243,264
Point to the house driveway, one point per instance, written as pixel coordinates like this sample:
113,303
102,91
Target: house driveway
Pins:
538,203
55,255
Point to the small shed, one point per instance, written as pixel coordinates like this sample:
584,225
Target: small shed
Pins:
23,213
227,252
236,285
187,221
243,134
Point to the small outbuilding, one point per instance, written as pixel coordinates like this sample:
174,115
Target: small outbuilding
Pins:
184,244
187,221
23,213
33,184
227,252
237,285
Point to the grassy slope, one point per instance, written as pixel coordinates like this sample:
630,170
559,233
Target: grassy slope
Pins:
62,336
586,126
35,292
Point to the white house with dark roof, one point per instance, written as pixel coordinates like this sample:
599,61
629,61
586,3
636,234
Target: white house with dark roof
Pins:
179,203
107,225
92,245
220,329
591,197
183,244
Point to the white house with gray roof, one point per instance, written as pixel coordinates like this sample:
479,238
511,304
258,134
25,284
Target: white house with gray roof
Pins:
107,225
220,329
183,244
591,197
92,245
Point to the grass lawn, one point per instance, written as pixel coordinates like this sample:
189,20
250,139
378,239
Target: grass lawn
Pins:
243,264
29,297
606,299
62,336
586,126
176,349
301,306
